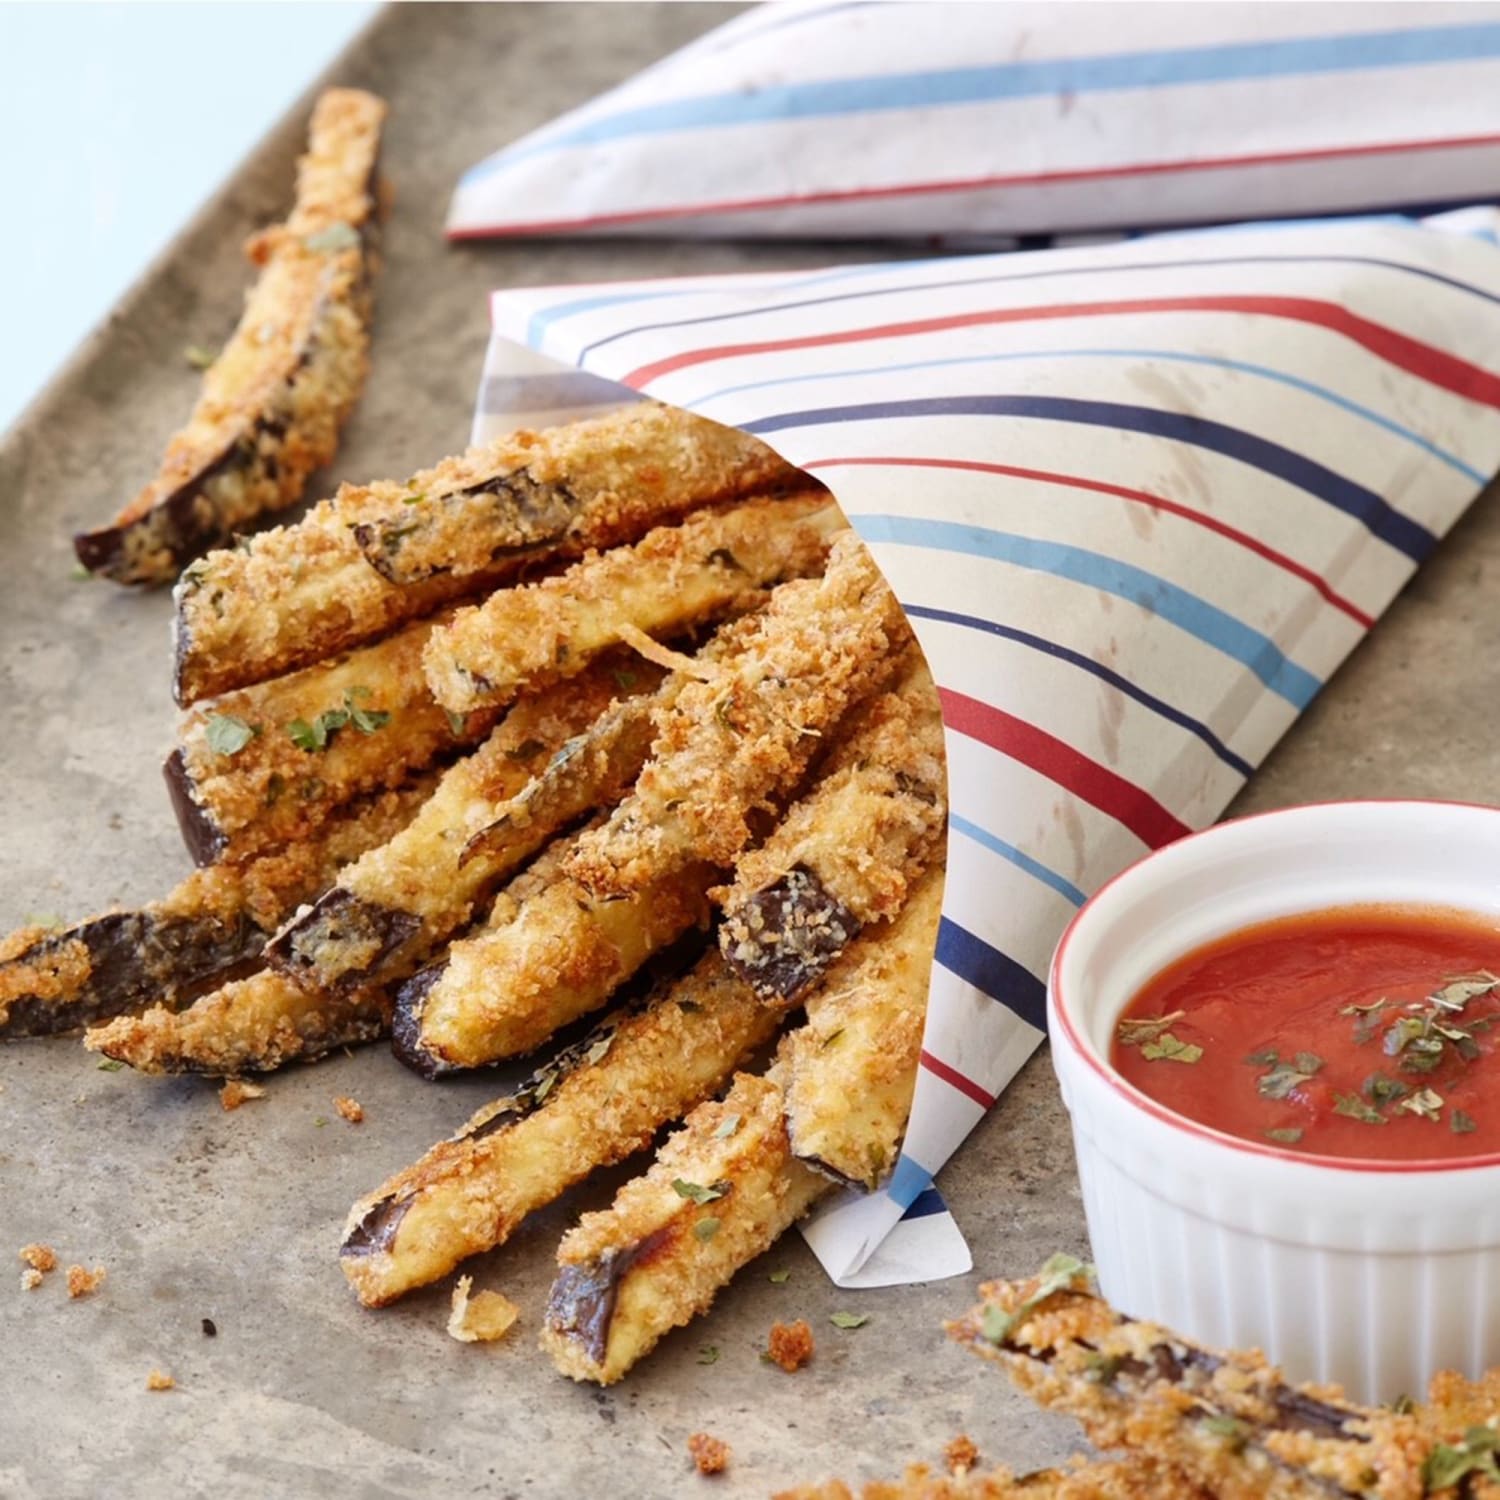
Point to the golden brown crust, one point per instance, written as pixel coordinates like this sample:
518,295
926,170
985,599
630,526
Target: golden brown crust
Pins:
481,1318
710,1455
349,1109
297,593
1133,1478
41,1258
470,1193
159,1380
713,564
273,401
790,1345
83,1282
723,748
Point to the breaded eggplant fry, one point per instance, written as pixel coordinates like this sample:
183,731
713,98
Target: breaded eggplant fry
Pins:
721,1190
267,765
852,1067
1132,1478
635,1072
252,1025
274,400
1229,1421
547,954
725,746
298,593
215,920
713,564
847,852
594,483
391,909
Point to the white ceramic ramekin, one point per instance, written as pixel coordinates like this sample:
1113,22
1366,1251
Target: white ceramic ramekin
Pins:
1374,1275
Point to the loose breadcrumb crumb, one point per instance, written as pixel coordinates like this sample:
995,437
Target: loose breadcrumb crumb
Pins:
41,1258
157,1380
482,1318
82,1283
710,1454
31,1279
351,1109
234,1093
791,1345
961,1454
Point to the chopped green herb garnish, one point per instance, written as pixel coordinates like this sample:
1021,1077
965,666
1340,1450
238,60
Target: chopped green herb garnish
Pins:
727,1128
199,357
1379,1089
228,735
1058,1275
849,1320
1267,1057
319,1121
1232,1430
1168,1048
1403,1405
1133,1032
1101,1369
80,574
1287,1136
623,680
335,237
707,1228
695,1192
111,1065
456,722
1447,1464
1461,1123
1307,1062
778,1278
1356,1109
1426,1103
708,1354
1280,1081
597,1052
366,720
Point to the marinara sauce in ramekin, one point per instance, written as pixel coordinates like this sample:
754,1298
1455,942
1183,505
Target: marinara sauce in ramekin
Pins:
1253,1213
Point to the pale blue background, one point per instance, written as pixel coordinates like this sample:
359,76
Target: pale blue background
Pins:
116,121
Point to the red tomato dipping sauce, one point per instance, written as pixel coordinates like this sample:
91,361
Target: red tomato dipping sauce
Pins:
1364,1031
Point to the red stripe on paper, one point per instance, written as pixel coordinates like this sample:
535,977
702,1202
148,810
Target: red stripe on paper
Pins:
951,1076
1142,497
1119,799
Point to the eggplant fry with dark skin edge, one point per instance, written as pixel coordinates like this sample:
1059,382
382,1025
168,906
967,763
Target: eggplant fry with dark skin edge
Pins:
713,564
641,1068
251,1025
851,1068
726,746
273,401
845,853
168,951
296,594
596,483
547,954
393,907
722,1189
1229,1421
1132,1478
268,765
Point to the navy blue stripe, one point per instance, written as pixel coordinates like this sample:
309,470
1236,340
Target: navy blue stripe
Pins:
1094,668
992,972
928,1201
1364,505
1096,269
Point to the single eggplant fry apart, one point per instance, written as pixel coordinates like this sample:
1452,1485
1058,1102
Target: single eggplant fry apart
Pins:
723,748
251,1025
296,594
722,1189
166,952
268,765
603,1101
273,401
713,564
851,1068
547,954
392,908
1229,1421
592,483
847,852
1133,1478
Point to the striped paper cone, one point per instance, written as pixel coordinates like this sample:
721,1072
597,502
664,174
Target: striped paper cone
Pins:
1138,501
853,118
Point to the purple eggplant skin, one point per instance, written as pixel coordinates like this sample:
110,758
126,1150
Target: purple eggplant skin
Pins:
783,939
307,949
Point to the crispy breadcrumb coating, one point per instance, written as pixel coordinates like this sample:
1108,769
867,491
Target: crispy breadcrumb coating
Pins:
158,1380
790,1345
41,1258
961,1454
84,1283
351,1109
236,1092
1133,1478
31,1279
710,1455
481,1318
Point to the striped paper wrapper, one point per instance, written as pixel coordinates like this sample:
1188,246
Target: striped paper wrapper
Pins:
854,118
1138,501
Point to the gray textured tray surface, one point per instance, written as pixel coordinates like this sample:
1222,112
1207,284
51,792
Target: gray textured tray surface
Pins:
201,1214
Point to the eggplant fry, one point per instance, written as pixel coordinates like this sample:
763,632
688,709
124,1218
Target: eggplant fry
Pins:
273,401
296,594
1228,1421
597,1104
593,483
395,905
851,1068
269,764
721,1190
713,564
547,954
252,1025
1132,1478
847,852
725,746
214,921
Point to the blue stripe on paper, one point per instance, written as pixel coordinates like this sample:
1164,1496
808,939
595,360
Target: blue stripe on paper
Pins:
928,1202
1204,621
1087,664
992,972
1021,860
1364,505
1228,62
910,1182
